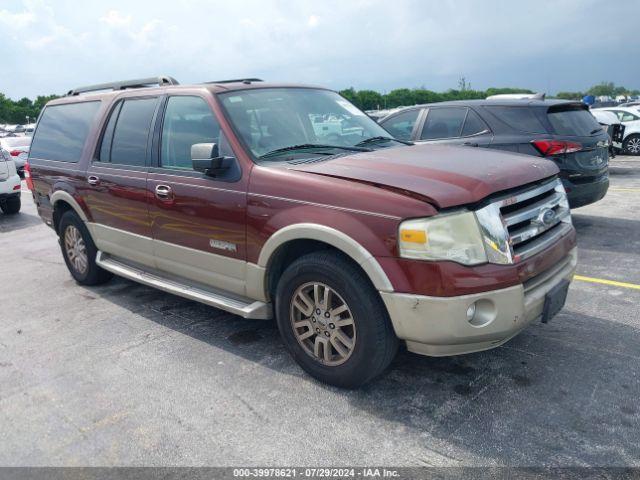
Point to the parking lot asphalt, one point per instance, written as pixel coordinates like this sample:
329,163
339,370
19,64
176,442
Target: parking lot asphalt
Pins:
126,375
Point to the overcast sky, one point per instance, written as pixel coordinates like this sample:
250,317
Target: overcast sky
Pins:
50,46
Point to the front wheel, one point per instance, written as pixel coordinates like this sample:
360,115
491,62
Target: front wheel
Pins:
631,145
333,321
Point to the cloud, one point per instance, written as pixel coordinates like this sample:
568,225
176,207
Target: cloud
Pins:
114,18
552,45
16,20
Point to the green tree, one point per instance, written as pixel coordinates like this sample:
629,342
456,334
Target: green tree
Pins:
569,95
369,100
501,91
603,89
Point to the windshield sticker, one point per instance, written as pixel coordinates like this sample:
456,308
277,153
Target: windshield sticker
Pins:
235,99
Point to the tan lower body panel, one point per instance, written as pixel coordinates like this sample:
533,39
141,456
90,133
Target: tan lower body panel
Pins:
228,274
439,326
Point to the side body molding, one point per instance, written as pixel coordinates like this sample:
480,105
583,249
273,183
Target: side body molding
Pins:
67,197
331,236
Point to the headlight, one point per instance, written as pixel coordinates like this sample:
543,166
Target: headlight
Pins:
456,237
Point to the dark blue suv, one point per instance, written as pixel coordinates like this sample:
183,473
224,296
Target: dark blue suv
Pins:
562,131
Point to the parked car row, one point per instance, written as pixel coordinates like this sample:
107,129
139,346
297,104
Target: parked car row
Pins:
276,200
7,130
18,148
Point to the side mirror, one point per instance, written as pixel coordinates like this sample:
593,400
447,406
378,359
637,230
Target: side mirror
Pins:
206,158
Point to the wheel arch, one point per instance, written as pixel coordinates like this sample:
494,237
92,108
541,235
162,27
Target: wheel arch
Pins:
307,237
63,201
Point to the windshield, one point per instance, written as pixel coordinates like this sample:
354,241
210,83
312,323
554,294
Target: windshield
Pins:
271,119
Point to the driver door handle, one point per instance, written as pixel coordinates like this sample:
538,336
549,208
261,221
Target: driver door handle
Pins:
163,192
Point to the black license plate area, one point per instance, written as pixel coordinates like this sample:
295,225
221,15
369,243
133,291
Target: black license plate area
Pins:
554,300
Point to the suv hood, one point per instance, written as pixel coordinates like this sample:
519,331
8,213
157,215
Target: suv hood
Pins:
444,175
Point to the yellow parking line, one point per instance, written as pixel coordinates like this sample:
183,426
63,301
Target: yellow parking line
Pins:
607,282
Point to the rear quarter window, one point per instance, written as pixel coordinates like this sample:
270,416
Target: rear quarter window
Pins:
523,119
62,131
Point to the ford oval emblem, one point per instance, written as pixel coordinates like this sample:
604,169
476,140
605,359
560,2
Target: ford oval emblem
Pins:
547,216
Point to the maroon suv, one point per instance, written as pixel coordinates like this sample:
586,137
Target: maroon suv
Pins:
286,201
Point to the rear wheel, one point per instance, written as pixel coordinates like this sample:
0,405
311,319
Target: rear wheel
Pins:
631,145
79,251
11,205
333,321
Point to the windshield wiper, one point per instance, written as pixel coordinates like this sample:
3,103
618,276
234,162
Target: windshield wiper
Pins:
379,139
312,146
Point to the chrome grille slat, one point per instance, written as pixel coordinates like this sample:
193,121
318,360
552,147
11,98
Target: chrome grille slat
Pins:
542,242
530,231
527,194
533,210
534,229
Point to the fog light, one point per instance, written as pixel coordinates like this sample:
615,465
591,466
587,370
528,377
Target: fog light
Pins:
471,311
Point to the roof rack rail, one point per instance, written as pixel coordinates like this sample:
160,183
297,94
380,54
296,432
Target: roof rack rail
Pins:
238,80
123,85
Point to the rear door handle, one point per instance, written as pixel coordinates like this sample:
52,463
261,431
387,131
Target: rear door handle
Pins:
470,144
93,180
163,192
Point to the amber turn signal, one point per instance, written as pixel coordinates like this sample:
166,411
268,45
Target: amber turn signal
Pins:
413,236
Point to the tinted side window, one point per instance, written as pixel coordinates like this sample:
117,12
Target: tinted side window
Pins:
523,119
473,124
443,123
131,132
402,124
107,137
187,121
63,130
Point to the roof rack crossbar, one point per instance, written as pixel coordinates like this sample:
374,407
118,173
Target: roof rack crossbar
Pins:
238,80
123,85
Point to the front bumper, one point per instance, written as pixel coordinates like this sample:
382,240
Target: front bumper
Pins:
438,326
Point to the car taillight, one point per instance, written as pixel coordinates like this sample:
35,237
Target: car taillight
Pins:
556,147
15,153
27,176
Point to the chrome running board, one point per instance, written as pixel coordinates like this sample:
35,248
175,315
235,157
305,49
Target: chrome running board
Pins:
246,308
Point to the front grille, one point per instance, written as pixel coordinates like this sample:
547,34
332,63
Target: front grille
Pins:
535,218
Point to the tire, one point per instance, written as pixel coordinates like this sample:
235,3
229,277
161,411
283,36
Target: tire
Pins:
631,145
11,205
370,334
75,240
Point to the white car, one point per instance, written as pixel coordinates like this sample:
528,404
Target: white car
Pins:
630,118
9,185
612,126
18,148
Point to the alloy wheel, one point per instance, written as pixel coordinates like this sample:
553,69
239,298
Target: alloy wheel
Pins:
633,145
76,249
322,323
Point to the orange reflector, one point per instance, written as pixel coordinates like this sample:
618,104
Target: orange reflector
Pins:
413,236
